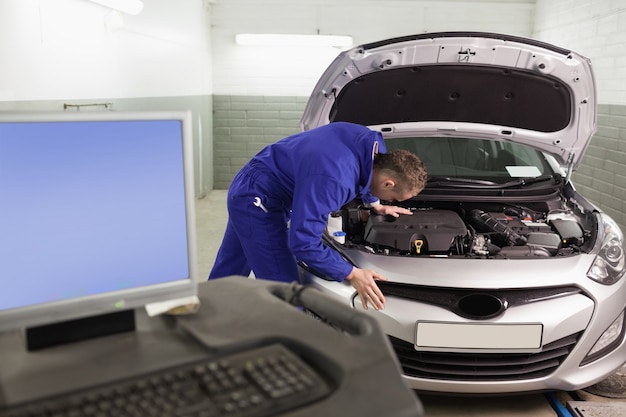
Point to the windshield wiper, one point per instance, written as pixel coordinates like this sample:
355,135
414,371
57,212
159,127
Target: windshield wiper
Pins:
439,181
520,182
463,182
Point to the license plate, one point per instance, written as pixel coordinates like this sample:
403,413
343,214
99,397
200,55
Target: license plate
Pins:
478,336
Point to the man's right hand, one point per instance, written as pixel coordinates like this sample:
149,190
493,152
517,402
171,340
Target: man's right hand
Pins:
364,282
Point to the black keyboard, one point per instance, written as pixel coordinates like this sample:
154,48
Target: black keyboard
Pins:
261,382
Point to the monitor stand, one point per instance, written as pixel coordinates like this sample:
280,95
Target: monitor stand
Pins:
70,331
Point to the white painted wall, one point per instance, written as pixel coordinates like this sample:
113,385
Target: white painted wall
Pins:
64,49
75,49
247,70
594,28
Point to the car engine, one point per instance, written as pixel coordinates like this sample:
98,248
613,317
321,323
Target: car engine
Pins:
510,232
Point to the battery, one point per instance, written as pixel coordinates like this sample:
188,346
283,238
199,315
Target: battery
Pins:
569,231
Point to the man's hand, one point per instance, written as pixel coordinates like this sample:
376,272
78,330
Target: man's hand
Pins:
394,211
364,282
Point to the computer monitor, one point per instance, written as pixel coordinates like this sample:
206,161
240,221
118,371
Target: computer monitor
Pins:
96,213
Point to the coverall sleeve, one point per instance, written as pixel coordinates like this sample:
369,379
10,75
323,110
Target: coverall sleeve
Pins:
314,198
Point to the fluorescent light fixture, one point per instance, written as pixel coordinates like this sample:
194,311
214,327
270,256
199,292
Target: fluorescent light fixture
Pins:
257,39
124,6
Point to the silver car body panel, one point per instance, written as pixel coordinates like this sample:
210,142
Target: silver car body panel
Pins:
592,313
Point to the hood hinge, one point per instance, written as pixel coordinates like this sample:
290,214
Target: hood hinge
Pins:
331,94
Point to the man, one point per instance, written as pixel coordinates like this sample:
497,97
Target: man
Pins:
279,203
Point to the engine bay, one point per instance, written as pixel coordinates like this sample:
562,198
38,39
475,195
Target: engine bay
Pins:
445,230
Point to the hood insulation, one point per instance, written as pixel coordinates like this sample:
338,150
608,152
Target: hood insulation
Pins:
461,93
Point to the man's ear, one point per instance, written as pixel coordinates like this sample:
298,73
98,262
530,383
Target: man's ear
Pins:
388,183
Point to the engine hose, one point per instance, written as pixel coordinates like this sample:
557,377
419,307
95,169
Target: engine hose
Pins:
485,219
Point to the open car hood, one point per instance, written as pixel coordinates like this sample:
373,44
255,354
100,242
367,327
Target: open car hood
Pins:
476,85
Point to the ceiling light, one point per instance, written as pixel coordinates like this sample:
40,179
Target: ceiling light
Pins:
124,6
257,39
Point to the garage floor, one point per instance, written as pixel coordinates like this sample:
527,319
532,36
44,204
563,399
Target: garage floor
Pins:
606,399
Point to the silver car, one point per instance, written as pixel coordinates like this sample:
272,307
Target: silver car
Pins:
504,279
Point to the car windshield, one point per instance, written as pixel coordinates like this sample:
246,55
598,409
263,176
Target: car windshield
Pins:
478,161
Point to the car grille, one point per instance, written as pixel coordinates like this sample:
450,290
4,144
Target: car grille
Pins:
449,298
482,366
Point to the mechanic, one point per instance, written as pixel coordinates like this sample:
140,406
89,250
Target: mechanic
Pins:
279,203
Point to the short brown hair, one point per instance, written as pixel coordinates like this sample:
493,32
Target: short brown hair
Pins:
405,167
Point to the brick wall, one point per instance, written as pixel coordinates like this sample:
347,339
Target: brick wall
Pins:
601,177
243,125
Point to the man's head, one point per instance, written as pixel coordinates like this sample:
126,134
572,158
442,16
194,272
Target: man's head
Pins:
398,175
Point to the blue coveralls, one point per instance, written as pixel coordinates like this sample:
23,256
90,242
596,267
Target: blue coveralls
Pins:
301,179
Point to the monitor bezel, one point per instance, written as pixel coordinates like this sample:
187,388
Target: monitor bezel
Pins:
132,298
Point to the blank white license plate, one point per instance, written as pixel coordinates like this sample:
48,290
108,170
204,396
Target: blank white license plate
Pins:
478,336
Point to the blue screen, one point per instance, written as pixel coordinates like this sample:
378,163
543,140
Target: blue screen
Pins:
90,207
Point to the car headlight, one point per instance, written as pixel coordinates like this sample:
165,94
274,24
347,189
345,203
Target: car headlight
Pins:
608,266
609,340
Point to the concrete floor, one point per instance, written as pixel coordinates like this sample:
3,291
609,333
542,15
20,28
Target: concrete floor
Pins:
211,216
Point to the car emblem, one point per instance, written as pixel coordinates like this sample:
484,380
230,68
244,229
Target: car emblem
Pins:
480,306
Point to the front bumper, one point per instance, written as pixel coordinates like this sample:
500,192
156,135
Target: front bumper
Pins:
571,325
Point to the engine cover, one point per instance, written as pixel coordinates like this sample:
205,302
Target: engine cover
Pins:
431,230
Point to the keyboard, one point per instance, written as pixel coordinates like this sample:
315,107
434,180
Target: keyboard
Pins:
259,382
